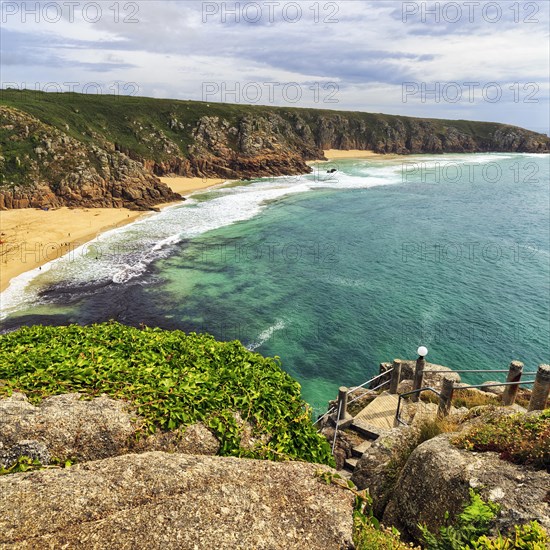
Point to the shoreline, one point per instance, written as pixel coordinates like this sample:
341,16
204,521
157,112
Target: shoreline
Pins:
31,238
337,154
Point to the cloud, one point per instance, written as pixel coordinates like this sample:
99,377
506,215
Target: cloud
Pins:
369,48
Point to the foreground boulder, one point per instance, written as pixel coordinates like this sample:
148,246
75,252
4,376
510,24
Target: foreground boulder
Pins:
437,478
68,426
160,500
373,471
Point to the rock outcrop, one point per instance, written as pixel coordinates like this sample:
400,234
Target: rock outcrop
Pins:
437,478
159,500
372,472
54,169
69,427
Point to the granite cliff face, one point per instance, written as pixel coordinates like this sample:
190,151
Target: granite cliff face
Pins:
77,150
59,170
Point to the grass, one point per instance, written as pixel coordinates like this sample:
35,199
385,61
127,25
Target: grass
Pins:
471,398
172,380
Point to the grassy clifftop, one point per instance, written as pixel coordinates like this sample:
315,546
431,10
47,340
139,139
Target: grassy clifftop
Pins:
125,141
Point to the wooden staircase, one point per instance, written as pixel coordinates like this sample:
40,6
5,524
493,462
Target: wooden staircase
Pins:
377,416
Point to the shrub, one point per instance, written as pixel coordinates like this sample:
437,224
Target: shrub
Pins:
518,438
171,379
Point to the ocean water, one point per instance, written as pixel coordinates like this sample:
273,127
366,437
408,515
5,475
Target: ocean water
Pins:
332,273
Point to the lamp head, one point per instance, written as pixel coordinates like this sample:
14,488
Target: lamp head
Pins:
422,351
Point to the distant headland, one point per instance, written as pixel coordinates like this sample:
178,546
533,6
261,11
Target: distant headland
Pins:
78,150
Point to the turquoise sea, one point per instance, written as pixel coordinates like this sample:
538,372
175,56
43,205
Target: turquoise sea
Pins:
332,273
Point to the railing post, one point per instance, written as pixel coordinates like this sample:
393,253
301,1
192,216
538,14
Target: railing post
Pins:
342,403
418,379
395,376
514,375
541,389
446,397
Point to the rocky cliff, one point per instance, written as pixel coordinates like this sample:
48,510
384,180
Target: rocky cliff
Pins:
50,168
72,149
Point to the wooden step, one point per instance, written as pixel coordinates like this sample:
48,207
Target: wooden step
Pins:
350,464
362,426
360,449
380,412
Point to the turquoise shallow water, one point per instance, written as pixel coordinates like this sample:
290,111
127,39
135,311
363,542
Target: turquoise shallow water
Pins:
336,275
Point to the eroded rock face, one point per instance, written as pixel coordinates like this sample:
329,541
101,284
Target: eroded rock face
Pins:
437,478
117,166
159,500
60,170
372,471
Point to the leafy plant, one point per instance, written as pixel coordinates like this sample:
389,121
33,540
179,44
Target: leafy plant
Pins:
471,524
172,380
470,529
526,537
27,464
22,464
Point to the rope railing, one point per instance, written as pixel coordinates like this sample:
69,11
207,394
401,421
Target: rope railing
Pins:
336,427
373,389
370,381
496,384
474,370
539,393
330,411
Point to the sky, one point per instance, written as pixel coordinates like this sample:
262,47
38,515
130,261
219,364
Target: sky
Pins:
478,60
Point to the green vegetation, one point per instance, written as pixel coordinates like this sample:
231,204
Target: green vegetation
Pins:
172,380
469,531
518,438
22,464
368,537
464,398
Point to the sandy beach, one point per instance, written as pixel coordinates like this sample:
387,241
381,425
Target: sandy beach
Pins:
185,186
335,154
30,238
